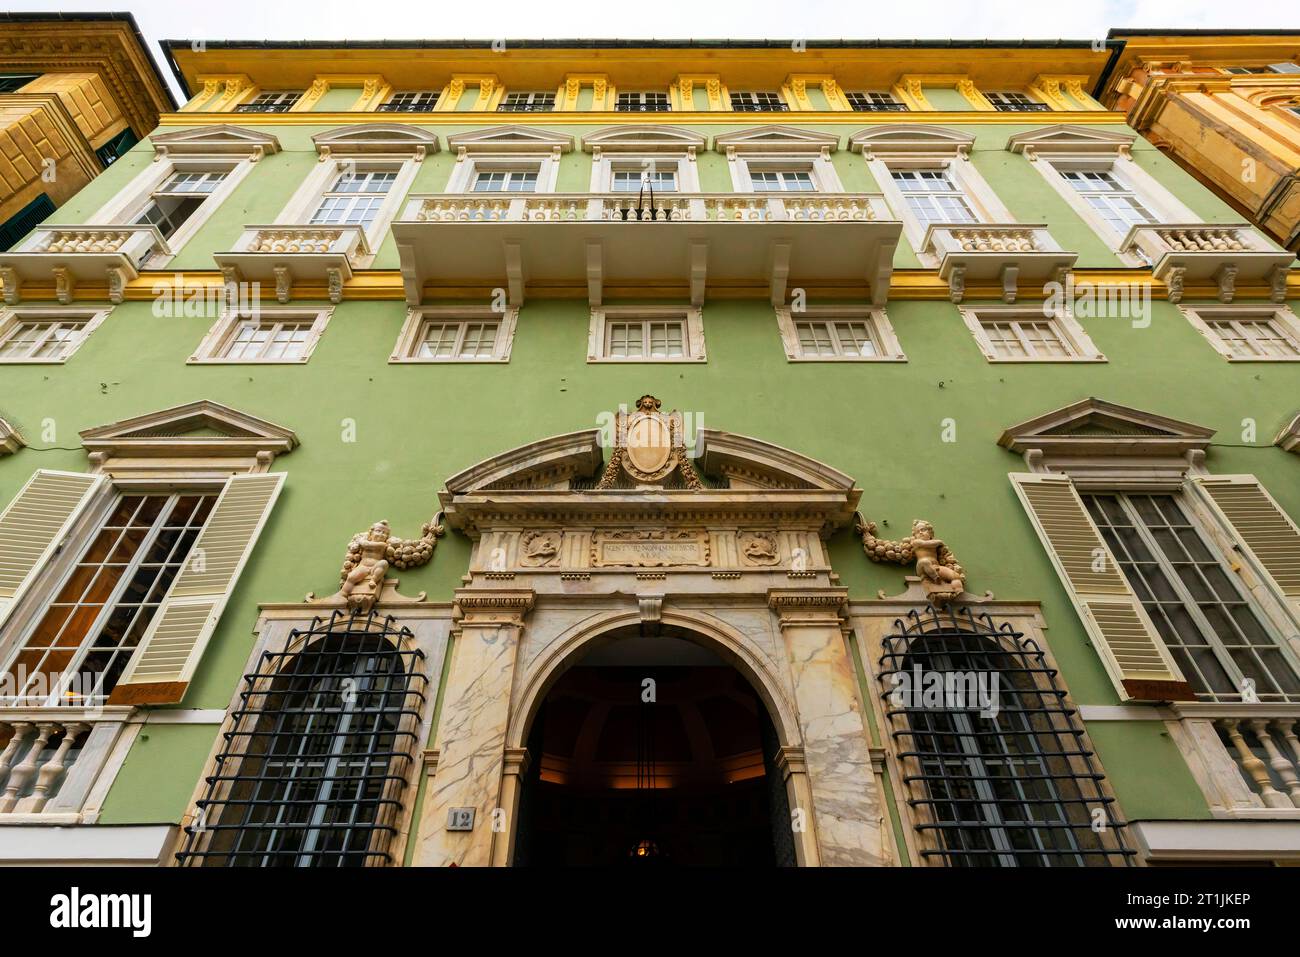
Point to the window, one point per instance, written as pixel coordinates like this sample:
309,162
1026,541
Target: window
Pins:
646,334
271,335
1249,333
1271,68
178,198
313,770
13,82
354,198
1015,103
117,147
40,335
762,102
837,333
277,102
642,103
25,220
782,181
104,606
1027,335
873,101
411,101
635,180
932,196
456,334
505,181
1206,619
1112,199
527,103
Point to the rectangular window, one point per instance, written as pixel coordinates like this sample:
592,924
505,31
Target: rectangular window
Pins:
255,341
177,199
835,338
1026,339
1206,619
633,181
645,339
105,605
843,333
281,101
44,336
527,103
642,103
1113,200
354,198
411,101
456,334
1014,102
1249,333
13,82
1025,334
646,334
457,340
874,101
759,102
505,181
932,196
782,181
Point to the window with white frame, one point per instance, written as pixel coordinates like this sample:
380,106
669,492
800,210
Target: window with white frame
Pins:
758,102
40,335
782,180
1245,333
411,101
456,334
1015,102
1270,68
646,334
268,335
354,198
648,178
277,101
178,198
1028,334
644,102
527,103
1114,200
874,101
838,333
932,196
488,180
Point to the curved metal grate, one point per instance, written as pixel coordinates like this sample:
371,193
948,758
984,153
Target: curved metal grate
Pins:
997,765
317,754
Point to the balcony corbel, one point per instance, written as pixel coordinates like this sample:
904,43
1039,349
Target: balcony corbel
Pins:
1008,253
66,256
286,255
1200,252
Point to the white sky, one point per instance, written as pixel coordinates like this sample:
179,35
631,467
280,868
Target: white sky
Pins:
671,19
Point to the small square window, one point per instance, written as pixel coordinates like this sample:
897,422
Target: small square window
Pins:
527,103
838,333
642,103
411,101
456,334
276,102
874,101
758,102
1249,333
1029,335
270,335
1015,103
40,335
649,334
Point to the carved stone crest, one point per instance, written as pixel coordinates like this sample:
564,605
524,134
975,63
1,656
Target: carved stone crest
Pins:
649,446
539,547
759,548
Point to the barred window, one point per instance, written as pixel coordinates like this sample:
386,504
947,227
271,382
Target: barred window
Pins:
759,102
317,755
874,101
276,102
411,101
1005,781
642,103
1015,103
527,103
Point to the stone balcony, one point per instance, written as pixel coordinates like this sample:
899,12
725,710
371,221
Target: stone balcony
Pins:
51,759
64,256
287,255
1009,253
827,241
1199,252
1245,757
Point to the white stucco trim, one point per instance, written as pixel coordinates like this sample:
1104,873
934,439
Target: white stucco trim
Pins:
139,845
1219,840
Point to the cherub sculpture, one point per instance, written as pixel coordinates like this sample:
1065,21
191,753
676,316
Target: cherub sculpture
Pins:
373,552
941,574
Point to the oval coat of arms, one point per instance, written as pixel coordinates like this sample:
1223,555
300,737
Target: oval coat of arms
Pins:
649,442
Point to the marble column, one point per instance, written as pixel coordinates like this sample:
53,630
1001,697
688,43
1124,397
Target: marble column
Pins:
846,804
472,729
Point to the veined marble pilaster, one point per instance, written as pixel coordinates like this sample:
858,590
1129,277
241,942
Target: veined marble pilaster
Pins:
472,728
845,797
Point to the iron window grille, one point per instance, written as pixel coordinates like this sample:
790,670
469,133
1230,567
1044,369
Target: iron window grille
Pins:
761,102
1016,103
871,101
527,103
318,752
277,102
411,101
642,103
1016,788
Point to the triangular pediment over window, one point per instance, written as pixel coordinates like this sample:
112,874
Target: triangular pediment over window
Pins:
1099,428
376,138
10,439
776,139
910,138
644,139
195,430
222,140
510,139
1071,140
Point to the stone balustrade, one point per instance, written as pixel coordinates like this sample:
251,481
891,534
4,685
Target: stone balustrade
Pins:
1267,753
37,756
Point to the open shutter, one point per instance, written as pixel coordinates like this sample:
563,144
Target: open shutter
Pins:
34,526
1265,533
1136,659
161,668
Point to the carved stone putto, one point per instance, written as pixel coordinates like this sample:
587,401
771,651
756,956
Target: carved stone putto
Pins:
373,552
942,577
649,446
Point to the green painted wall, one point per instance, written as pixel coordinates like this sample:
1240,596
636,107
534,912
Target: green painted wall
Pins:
337,99
947,98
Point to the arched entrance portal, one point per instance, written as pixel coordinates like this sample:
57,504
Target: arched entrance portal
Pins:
650,750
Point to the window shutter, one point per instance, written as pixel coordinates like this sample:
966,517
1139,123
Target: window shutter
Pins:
34,526
1265,532
1136,659
161,668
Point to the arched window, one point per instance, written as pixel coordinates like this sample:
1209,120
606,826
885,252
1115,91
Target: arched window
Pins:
317,754
998,768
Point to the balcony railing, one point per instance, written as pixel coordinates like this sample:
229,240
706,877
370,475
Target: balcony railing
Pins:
1008,252
288,254
66,255
1246,757
1267,752
1180,253
51,758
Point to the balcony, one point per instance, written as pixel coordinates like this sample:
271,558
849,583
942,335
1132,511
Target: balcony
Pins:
287,255
1009,253
1246,758
1198,252
838,241
67,255
50,762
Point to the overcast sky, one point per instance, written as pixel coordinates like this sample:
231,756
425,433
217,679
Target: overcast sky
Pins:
672,19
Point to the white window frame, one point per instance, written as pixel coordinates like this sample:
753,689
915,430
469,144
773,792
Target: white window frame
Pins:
667,100
272,97
784,106
545,161
501,108
311,193
11,318
423,97
1068,330
223,330
416,318
818,166
680,164
1200,315
877,322
691,317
